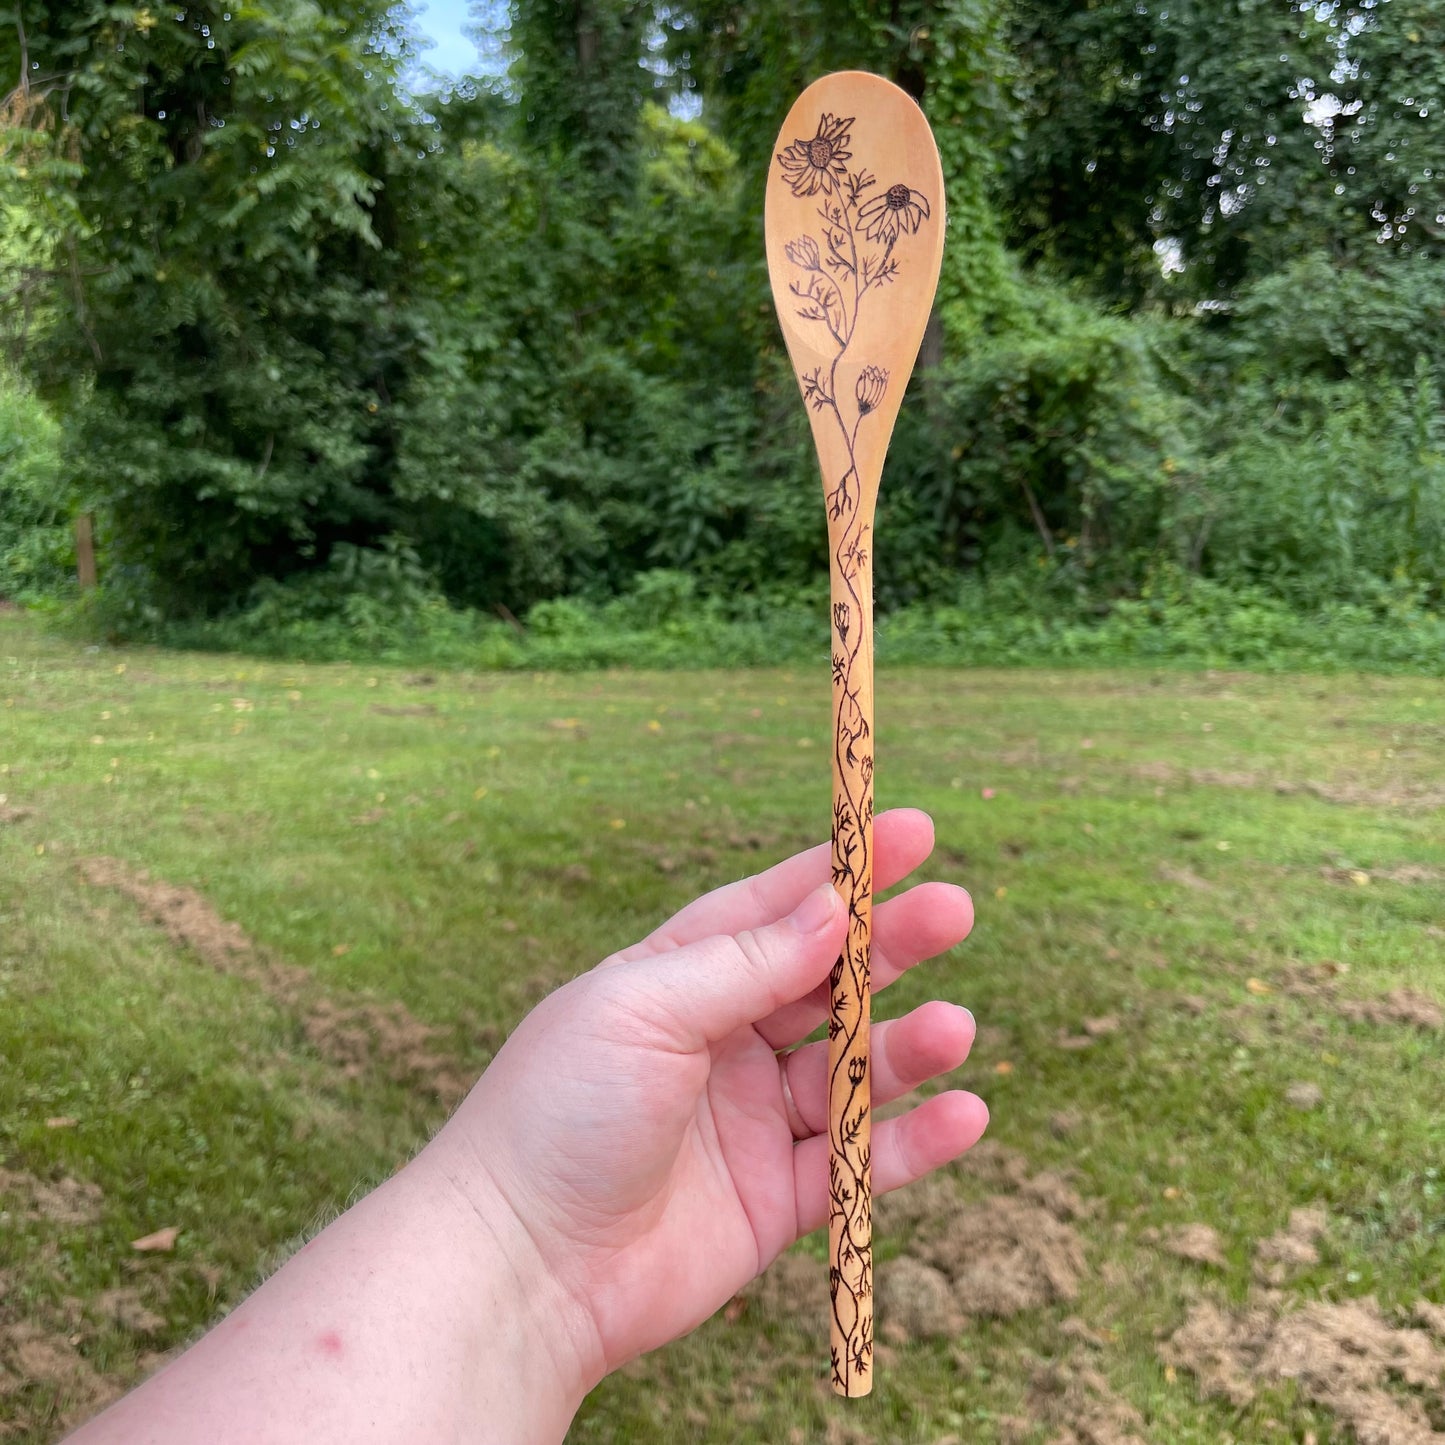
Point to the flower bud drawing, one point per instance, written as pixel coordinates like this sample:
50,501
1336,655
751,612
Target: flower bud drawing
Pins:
804,252
872,383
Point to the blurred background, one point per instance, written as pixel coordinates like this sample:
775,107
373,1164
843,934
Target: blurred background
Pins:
354,319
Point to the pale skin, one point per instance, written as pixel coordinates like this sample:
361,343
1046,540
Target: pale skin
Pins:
626,1164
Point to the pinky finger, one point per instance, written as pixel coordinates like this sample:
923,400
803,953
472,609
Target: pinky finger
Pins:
904,1149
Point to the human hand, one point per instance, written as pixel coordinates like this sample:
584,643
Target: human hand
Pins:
636,1125
631,1158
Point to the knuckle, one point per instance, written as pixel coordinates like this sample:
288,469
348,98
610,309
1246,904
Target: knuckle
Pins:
749,953
756,963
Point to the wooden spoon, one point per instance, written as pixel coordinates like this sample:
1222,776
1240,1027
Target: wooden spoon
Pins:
854,222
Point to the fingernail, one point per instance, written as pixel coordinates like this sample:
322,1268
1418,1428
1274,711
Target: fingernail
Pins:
968,1014
816,911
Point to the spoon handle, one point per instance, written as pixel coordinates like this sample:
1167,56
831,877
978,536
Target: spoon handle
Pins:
850,1193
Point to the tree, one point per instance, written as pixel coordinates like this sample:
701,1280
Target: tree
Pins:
224,342
1224,139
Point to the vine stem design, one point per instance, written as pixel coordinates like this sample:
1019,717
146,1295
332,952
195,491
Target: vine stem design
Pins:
849,257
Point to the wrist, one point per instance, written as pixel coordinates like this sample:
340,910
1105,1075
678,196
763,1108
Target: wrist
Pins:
528,1325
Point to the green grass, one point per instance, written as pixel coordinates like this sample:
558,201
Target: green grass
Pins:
462,842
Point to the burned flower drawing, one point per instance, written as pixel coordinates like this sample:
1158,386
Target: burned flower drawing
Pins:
868,392
803,253
819,164
897,211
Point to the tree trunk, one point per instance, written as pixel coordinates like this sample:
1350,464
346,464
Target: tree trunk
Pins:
85,551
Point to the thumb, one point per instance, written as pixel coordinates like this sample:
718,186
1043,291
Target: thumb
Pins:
711,988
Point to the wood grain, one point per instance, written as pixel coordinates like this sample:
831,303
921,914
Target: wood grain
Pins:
854,223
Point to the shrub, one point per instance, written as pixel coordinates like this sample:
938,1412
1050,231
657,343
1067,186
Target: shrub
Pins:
37,553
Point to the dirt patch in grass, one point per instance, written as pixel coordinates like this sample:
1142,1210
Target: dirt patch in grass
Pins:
935,1196
1056,1194
358,1035
995,1257
916,1302
1407,873
64,1201
126,1308
1225,778
1399,1006
1078,1403
1293,1247
12,813
793,1287
1197,1243
1313,980
992,1164
1009,1252
48,1364
1379,1379
1184,877
1407,1007
186,917
1415,796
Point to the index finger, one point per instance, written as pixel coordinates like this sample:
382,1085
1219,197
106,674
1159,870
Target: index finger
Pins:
902,839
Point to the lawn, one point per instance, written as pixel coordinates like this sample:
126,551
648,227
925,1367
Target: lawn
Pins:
260,923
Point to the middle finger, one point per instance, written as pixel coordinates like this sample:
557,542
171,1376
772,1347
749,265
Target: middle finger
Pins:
931,1040
921,923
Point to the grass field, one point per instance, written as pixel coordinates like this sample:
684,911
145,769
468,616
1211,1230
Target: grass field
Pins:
259,923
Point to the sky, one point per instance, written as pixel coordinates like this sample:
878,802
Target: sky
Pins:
442,22
452,51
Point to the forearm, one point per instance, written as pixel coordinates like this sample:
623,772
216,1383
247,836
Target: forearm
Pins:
415,1316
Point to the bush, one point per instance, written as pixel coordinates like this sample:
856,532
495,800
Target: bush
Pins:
1054,431
37,552
1024,618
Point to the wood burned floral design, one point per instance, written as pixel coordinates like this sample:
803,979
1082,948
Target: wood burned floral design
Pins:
849,255
898,210
821,163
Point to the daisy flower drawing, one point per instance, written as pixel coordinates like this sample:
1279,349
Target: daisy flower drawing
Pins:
819,164
900,209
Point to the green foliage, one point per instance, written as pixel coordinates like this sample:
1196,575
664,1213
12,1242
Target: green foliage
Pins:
1324,480
1318,320
1335,508
37,556
343,367
577,66
239,175
1031,616
559,440
1020,619
1187,126
1059,434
